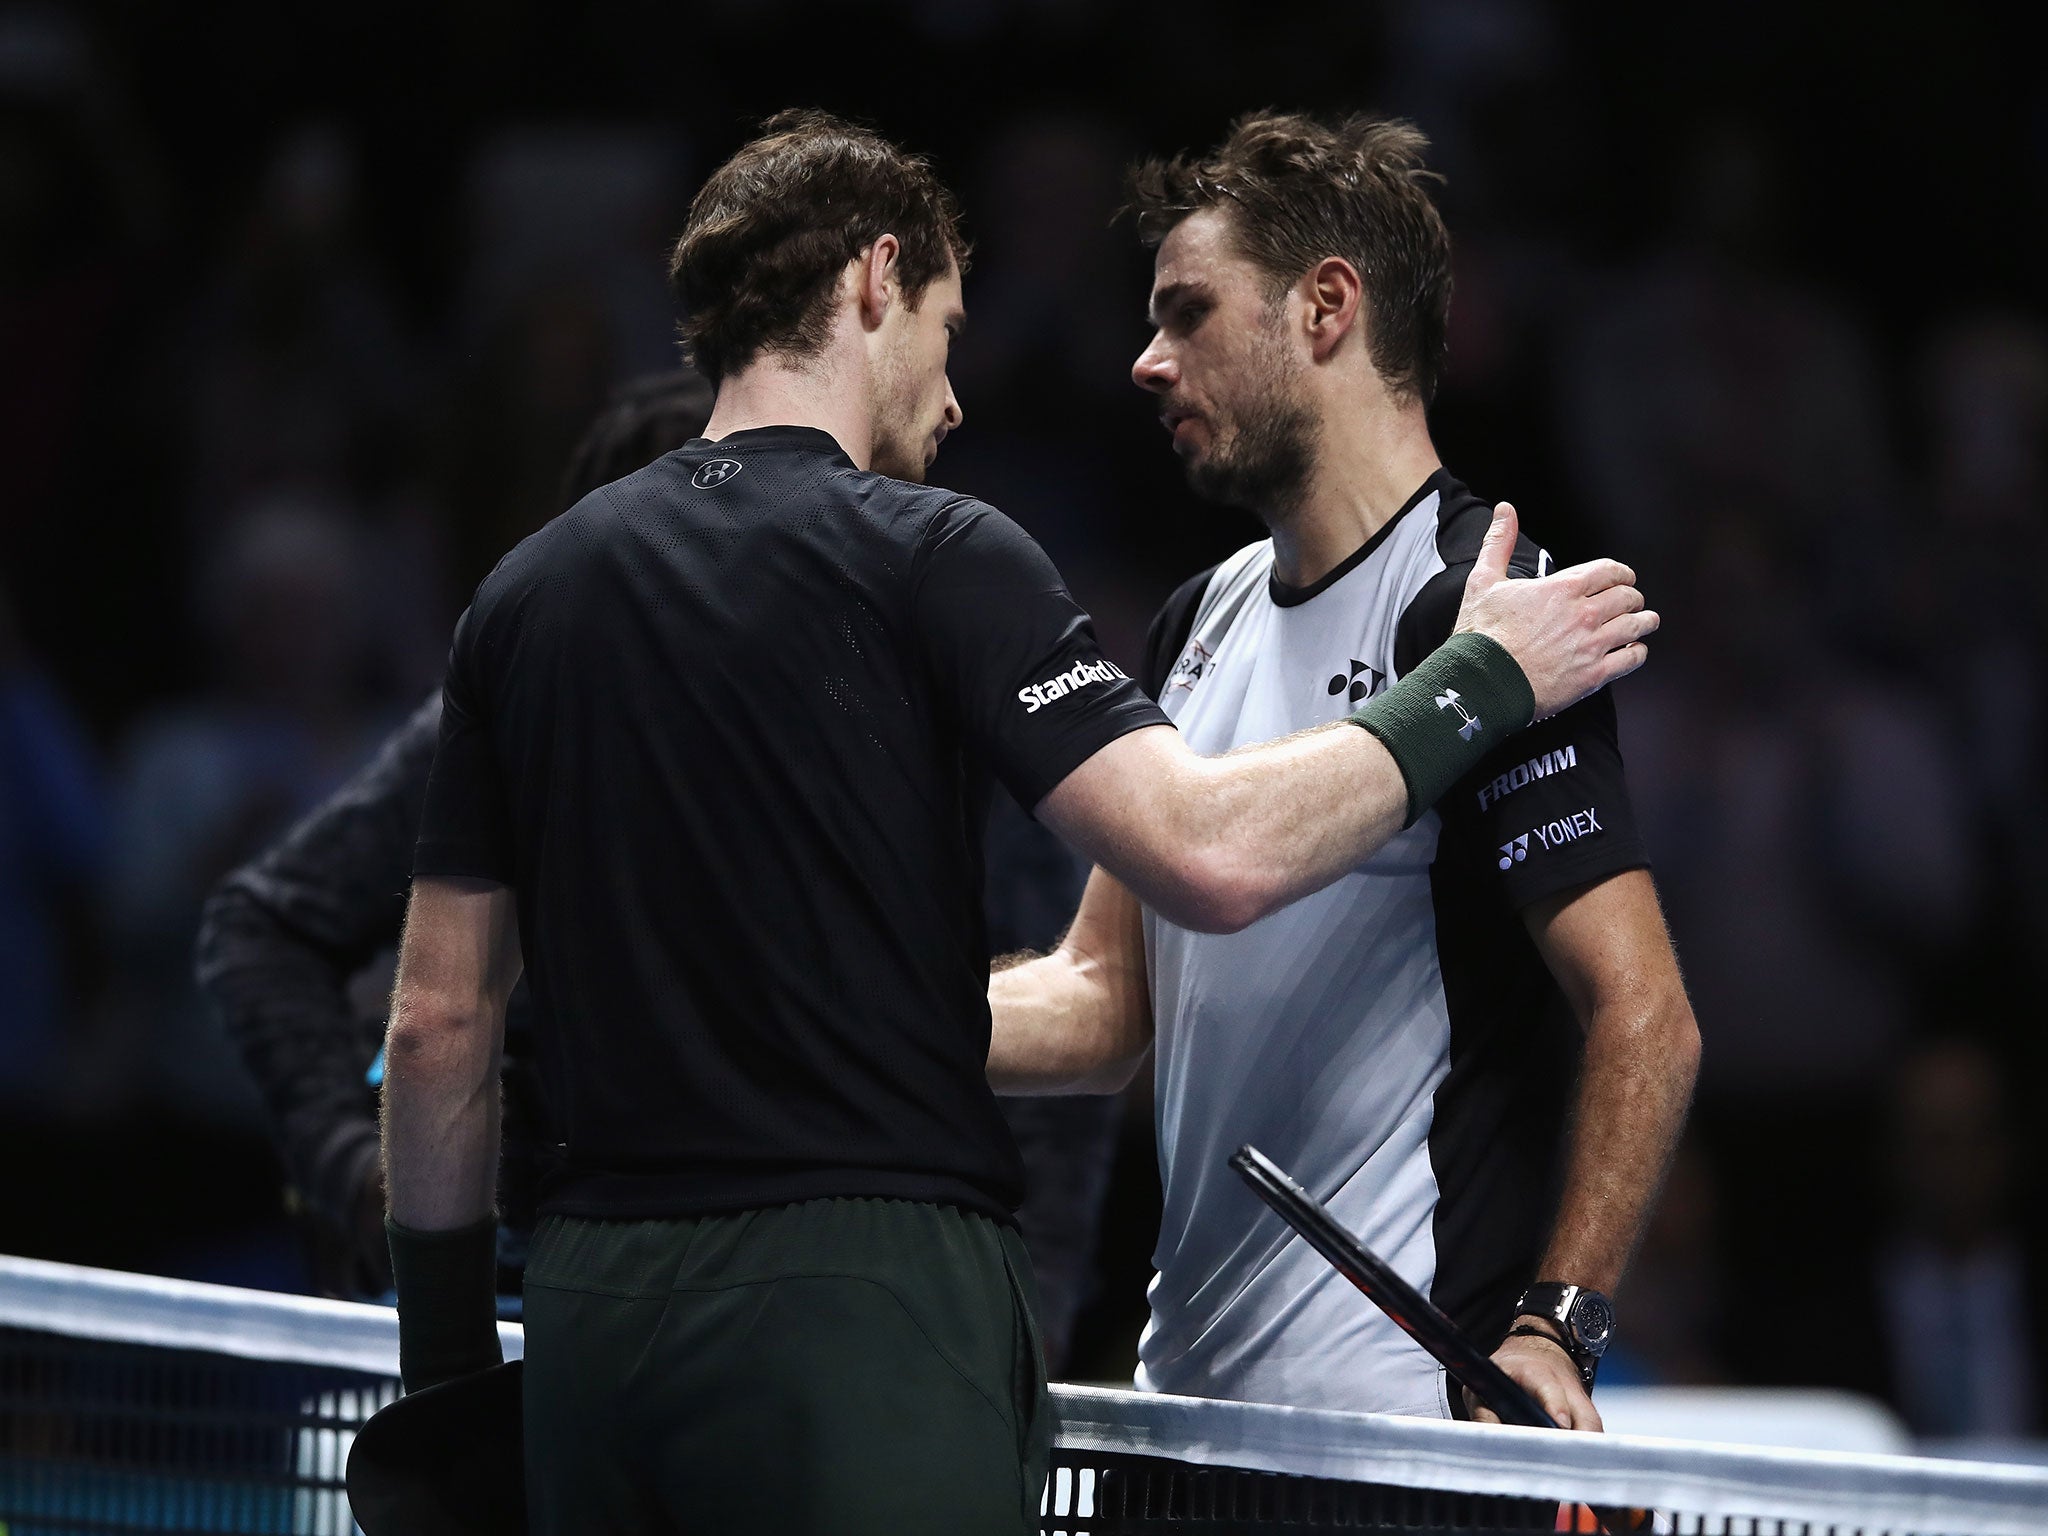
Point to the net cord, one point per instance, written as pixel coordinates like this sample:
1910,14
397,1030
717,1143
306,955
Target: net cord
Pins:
68,1299
1849,1491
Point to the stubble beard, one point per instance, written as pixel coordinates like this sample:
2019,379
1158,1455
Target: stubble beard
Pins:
898,450
1264,465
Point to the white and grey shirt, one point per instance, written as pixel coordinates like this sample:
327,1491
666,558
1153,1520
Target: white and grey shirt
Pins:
1394,1041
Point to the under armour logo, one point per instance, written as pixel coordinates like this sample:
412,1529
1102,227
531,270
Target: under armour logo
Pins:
1448,699
717,472
1514,853
1363,682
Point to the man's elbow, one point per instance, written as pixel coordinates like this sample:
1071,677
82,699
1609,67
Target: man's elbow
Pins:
427,1028
233,927
1217,890
1659,1028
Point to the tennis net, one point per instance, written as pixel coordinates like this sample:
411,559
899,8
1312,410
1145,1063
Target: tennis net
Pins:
135,1404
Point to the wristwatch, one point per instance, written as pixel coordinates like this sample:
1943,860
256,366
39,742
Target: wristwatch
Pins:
1584,1318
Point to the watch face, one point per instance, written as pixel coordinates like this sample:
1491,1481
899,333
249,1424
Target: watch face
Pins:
1592,1320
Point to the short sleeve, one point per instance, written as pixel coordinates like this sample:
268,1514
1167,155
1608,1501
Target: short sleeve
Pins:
465,828
1014,656
1549,808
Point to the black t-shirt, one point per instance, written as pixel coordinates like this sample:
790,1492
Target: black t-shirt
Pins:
724,727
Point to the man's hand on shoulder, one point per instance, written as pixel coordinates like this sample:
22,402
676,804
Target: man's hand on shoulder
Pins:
1542,1367
1572,632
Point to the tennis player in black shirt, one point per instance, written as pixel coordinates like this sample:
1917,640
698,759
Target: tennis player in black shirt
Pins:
710,757
285,938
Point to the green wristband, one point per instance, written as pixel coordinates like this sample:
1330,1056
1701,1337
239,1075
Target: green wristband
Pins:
447,1286
1466,698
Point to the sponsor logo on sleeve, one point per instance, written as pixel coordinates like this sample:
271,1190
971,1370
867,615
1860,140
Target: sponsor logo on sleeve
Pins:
1081,675
1451,699
1552,835
1522,775
1192,667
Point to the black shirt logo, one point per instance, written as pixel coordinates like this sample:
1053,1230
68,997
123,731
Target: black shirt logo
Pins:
1363,682
716,472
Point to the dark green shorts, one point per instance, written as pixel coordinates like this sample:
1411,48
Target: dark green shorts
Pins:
842,1366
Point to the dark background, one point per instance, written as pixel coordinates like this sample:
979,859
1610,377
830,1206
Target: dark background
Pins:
300,314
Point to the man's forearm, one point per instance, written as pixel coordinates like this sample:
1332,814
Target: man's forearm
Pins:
456,966
1634,1087
1061,1024
1214,844
440,1120
1079,1019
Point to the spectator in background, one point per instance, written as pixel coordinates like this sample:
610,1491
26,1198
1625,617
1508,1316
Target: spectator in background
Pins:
542,372
53,842
83,292
1961,1287
286,941
302,375
1811,829
1709,380
1818,830
1052,327
562,296
206,780
1973,596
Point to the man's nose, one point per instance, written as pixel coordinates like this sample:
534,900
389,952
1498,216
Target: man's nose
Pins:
1155,370
954,415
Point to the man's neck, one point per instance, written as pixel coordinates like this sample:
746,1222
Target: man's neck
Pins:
1368,464
772,391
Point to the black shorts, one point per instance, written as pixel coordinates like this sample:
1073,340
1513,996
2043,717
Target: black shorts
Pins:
843,1366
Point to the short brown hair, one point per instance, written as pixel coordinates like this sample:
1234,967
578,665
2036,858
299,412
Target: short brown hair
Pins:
773,227
1300,190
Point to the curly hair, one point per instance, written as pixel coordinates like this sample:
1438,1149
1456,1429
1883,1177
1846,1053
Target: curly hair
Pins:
1299,189
770,231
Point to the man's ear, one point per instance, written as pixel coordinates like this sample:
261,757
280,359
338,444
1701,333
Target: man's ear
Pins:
877,284
1336,299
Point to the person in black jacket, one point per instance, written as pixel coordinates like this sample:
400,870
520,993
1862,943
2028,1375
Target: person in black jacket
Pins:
289,940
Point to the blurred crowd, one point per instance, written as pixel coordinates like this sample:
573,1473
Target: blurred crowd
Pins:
273,398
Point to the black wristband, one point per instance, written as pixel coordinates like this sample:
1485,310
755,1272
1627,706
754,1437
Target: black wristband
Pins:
1464,699
1585,1367
447,1301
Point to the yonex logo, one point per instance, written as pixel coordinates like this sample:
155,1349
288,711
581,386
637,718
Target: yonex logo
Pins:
1080,675
1363,682
1449,699
1553,835
715,472
1570,829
